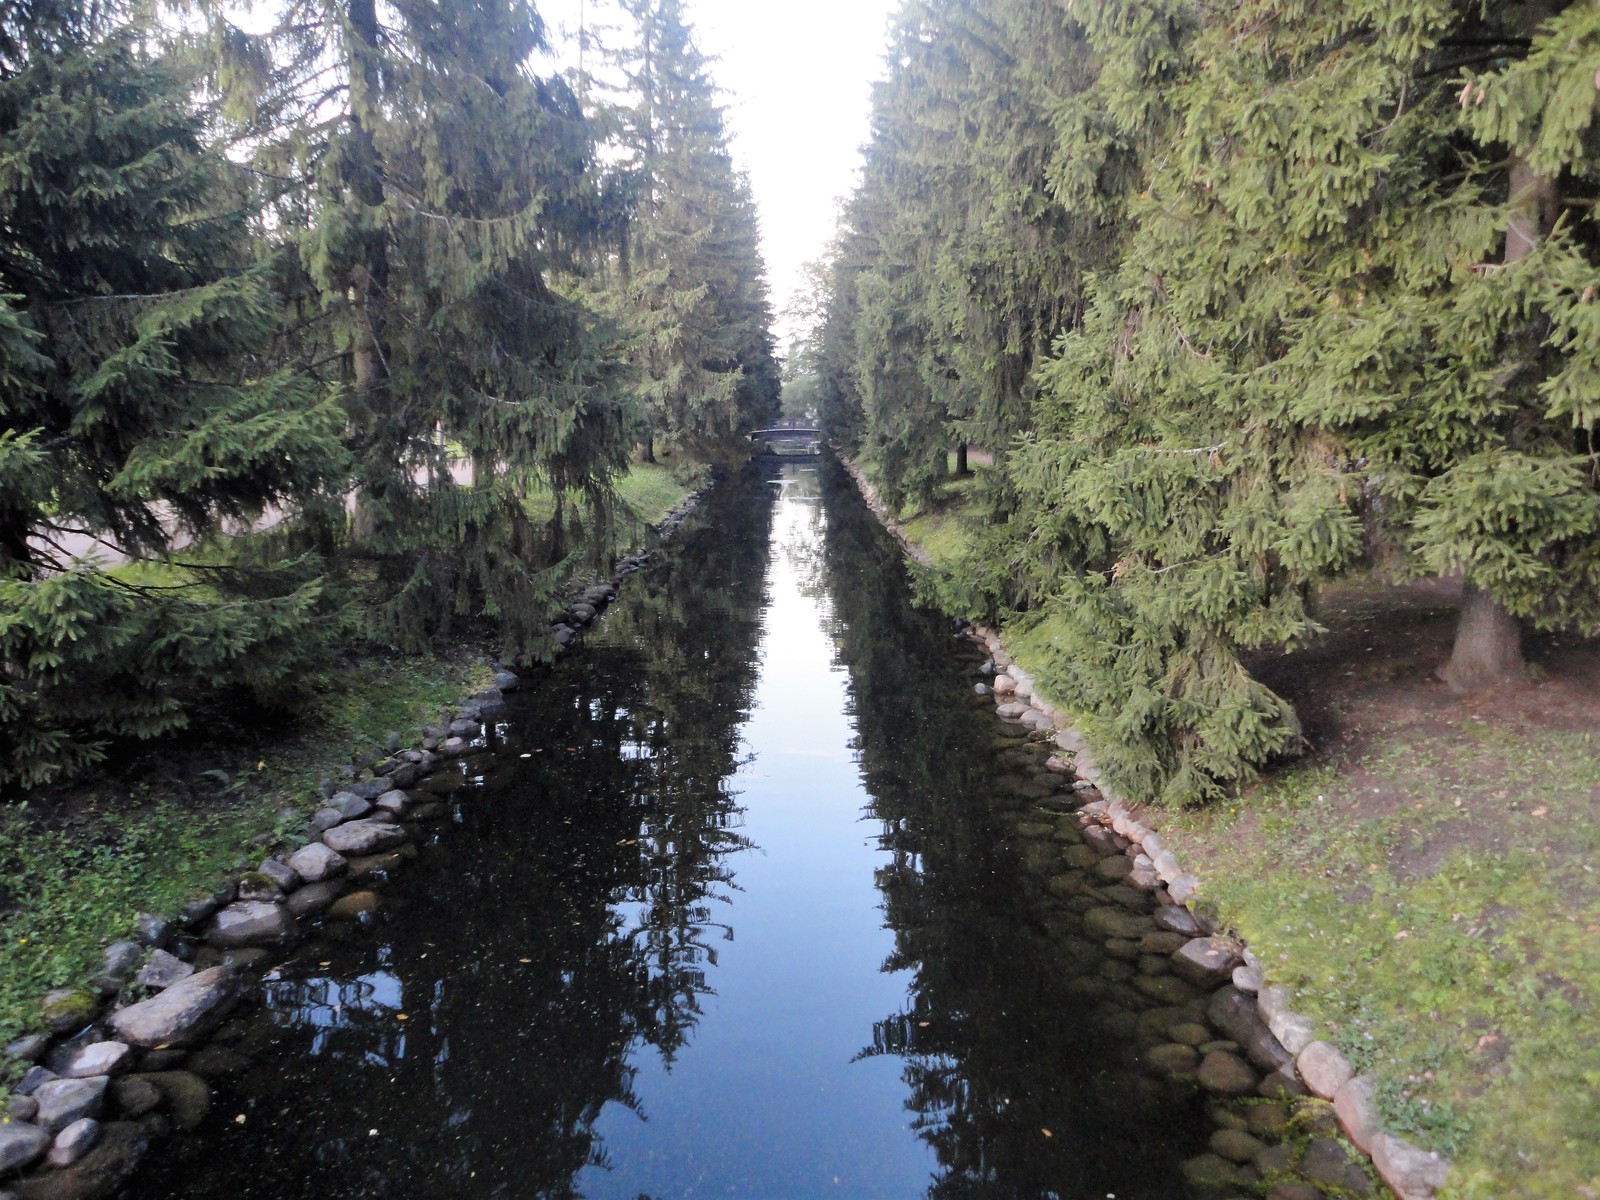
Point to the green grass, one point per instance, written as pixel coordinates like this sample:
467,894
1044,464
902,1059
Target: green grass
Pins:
945,528
648,491
1451,946
77,880
652,490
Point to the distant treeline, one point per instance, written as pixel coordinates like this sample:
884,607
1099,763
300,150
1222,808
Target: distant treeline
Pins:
361,288
1240,297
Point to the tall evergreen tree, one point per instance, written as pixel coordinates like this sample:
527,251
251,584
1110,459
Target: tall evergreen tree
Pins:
1338,268
690,287
1305,335
144,403
961,249
437,188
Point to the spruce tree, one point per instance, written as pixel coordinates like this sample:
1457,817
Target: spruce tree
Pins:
1315,328
959,248
442,196
145,404
690,289
1336,267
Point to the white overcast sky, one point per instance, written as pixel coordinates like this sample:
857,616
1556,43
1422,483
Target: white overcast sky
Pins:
796,77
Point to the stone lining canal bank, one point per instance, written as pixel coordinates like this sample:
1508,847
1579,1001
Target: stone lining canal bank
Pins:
128,1056
1310,1088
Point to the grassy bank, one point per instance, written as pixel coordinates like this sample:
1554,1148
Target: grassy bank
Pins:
1426,879
647,493
78,864
1433,901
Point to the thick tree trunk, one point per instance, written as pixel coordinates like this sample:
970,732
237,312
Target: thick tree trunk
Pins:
1488,647
961,459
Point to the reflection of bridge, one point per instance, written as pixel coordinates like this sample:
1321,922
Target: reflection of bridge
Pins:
794,440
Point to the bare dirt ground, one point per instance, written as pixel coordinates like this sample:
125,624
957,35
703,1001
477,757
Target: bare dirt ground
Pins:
1369,685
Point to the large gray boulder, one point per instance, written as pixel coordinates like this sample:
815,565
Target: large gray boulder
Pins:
1324,1069
73,1142
180,1015
117,964
250,923
285,877
364,837
1207,962
163,970
351,806
20,1145
315,897
63,1101
98,1058
1414,1174
1356,1106
317,862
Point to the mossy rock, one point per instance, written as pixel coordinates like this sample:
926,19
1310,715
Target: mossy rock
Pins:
1211,1175
1173,1059
253,885
66,1010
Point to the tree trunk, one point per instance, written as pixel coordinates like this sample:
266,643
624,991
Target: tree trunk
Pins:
368,285
1488,647
961,459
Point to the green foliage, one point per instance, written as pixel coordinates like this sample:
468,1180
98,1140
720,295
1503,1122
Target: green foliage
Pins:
436,191
76,888
145,406
1322,283
688,290
651,490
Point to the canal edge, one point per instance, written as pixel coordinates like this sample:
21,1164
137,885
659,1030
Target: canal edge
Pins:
146,1001
1410,1172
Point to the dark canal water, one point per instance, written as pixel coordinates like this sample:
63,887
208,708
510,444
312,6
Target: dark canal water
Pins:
735,905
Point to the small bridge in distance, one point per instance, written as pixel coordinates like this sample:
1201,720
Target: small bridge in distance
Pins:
795,439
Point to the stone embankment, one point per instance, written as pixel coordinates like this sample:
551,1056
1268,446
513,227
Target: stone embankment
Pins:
1268,1048
122,1059
1286,1048
870,494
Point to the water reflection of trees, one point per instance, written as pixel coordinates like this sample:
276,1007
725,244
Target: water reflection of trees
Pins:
994,1055
573,919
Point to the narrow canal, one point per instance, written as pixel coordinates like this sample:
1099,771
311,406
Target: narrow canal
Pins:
748,897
